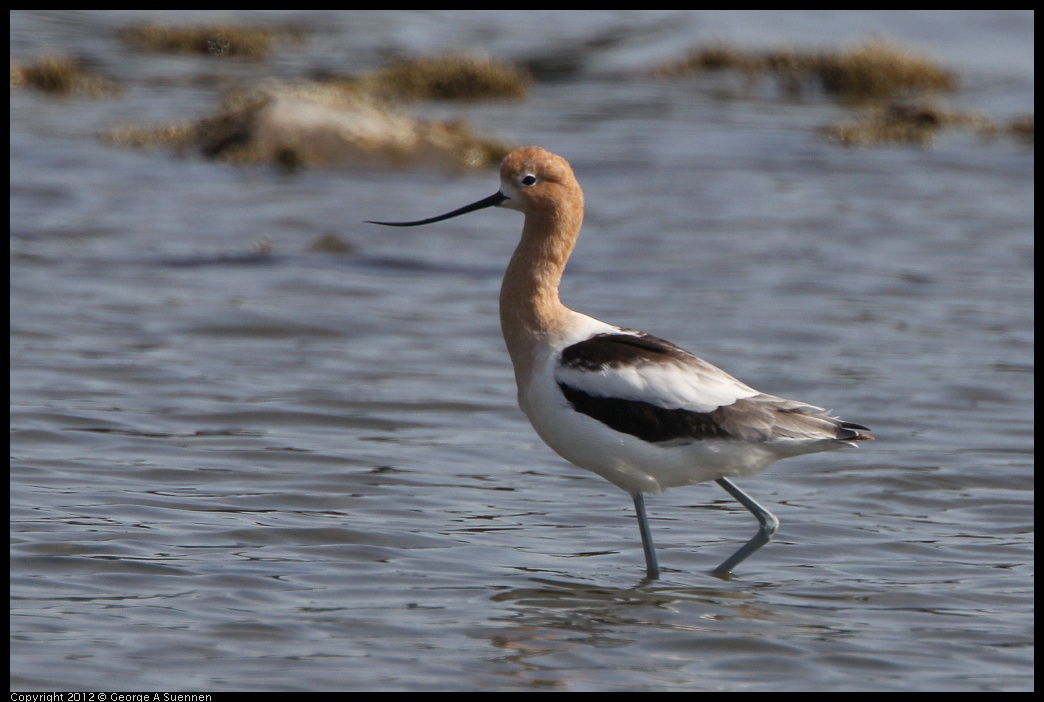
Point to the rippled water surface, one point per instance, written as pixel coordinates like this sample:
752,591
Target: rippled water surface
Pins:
307,471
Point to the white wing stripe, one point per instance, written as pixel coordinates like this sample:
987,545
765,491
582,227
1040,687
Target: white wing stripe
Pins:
671,385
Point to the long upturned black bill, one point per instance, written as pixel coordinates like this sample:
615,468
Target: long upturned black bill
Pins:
491,201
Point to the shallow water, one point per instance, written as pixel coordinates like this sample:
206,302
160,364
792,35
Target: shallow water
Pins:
307,471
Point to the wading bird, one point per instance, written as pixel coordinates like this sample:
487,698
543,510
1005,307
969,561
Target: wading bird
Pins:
639,411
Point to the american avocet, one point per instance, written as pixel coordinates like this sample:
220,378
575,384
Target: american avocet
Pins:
637,410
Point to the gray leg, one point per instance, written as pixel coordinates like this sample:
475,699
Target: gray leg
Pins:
768,522
652,568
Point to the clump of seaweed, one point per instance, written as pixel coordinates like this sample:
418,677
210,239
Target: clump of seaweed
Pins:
319,124
876,69
871,70
60,75
889,84
449,77
1022,128
346,120
177,136
910,122
330,243
920,122
229,40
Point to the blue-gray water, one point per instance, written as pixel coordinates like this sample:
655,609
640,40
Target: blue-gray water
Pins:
307,471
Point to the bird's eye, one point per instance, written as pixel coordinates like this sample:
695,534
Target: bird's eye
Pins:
528,179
